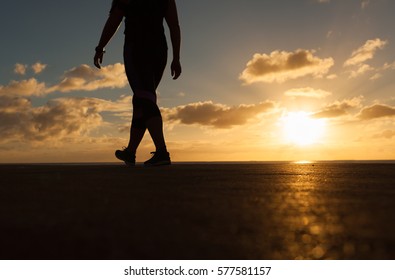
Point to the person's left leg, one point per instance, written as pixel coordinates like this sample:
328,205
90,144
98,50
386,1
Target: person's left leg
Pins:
153,122
161,156
136,135
155,128
138,127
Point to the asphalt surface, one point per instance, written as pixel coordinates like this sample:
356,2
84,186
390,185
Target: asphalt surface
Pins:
198,211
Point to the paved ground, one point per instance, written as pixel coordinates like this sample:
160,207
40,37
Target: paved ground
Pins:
198,211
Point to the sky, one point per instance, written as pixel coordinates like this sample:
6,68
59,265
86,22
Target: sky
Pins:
282,80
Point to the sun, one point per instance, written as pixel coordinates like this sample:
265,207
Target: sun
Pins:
301,129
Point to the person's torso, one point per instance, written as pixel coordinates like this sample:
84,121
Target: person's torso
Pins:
144,20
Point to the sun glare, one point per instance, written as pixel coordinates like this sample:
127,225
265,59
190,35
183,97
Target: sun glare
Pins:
301,129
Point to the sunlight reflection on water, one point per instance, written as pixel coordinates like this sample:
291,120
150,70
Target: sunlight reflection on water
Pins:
303,162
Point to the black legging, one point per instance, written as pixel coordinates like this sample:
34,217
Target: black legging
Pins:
144,66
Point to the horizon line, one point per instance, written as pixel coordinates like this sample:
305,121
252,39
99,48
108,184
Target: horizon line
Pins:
389,161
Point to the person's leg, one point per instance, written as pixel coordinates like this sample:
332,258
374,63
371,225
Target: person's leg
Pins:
132,69
138,127
155,128
155,123
137,131
144,69
136,135
161,155
146,114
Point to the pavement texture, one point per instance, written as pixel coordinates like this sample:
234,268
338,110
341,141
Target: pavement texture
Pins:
279,211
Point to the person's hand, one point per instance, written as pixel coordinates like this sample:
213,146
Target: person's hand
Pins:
98,59
175,69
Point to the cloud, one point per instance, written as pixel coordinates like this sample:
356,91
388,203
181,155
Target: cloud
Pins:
81,78
379,72
38,67
342,108
331,77
58,119
20,69
339,109
365,4
366,52
29,87
362,68
389,66
375,77
216,115
280,66
361,55
86,78
376,111
307,92
388,134
74,119
13,105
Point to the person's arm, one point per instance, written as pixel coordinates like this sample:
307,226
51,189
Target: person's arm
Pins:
110,28
175,35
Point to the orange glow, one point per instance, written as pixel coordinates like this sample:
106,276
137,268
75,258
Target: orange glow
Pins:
300,129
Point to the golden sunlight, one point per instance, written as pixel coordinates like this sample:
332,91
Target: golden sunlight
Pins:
300,129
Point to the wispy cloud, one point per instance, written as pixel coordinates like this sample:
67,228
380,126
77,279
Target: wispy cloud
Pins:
362,69
389,66
86,78
365,52
387,134
280,66
376,111
307,92
81,78
216,115
339,108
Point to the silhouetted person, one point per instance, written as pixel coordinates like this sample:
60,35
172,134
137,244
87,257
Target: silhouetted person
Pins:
145,58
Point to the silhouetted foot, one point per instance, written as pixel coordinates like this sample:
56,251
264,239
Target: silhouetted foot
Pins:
158,158
125,155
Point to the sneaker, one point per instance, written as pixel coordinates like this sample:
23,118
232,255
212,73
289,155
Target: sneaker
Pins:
125,155
158,158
